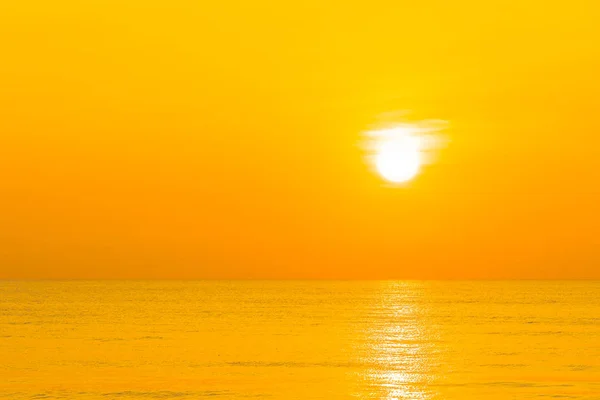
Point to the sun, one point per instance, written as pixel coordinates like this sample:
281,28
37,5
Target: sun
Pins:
398,151
398,159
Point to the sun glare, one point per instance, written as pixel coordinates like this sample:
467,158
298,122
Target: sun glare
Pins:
398,159
398,153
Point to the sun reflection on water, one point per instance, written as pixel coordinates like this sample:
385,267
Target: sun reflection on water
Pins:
398,348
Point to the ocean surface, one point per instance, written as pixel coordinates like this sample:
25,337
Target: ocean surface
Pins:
299,340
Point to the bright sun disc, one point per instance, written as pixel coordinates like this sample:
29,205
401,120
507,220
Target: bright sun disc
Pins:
399,160
398,152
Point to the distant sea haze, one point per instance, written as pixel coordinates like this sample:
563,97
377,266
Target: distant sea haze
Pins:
300,340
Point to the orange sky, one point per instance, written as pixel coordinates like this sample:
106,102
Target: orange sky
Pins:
194,139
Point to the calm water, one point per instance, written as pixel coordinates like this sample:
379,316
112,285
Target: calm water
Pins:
300,340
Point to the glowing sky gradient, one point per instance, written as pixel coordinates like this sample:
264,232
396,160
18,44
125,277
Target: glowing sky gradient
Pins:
147,139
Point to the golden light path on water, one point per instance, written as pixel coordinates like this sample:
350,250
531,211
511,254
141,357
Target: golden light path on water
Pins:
398,349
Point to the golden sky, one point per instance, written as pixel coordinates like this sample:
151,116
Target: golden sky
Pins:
195,139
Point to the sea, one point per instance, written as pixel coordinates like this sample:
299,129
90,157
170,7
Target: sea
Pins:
330,340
